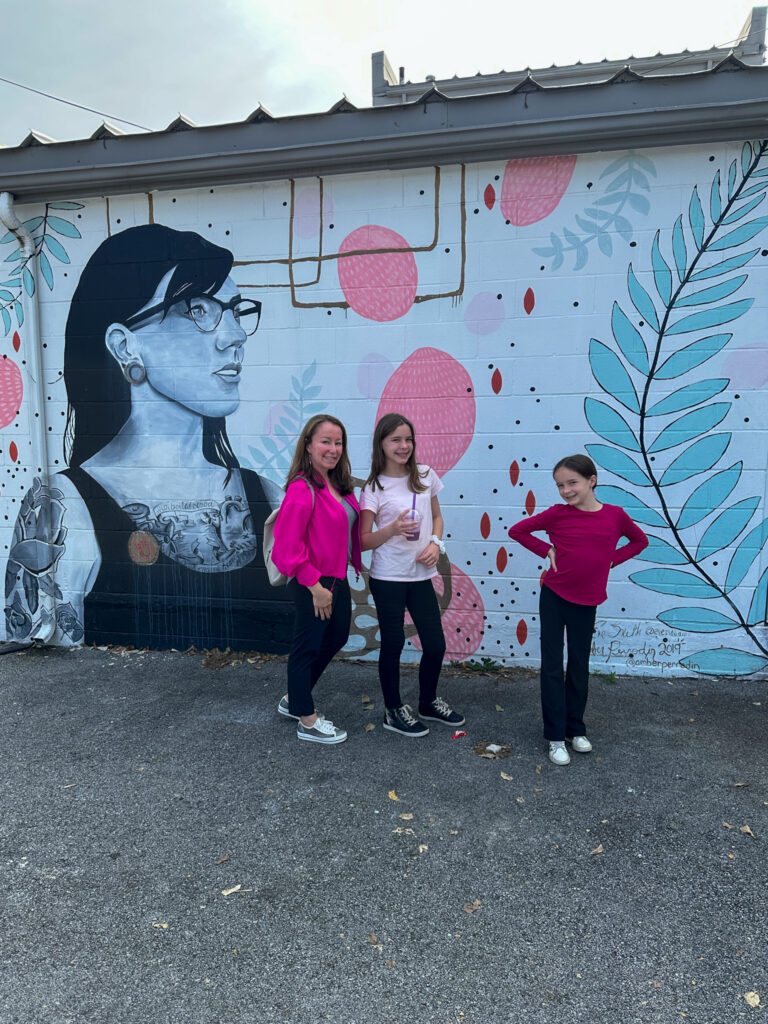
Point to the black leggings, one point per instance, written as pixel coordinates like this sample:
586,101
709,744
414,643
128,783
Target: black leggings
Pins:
392,598
563,700
315,640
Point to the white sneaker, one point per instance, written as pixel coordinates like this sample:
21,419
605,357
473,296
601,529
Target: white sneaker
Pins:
323,731
579,743
557,752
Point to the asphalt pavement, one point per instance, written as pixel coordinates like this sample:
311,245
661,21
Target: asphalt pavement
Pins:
171,852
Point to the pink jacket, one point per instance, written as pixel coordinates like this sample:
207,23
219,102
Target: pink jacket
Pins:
310,544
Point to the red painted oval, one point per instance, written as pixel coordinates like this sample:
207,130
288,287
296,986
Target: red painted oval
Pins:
514,473
501,559
541,578
529,301
530,503
489,196
13,451
485,526
522,632
16,341
496,381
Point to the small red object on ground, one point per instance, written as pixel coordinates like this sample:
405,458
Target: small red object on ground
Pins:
458,733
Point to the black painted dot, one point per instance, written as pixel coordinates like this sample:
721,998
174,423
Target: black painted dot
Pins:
746,419
421,191
632,245
210,225
642,323
524,459
711,159
331,226
538,400
589,184
499,295
511,344
737,396
285,203
517,423
535,465
476,210
173,200
575,303
469,389
531,389
506,222
557,426
495,177
448,250
764,252
490,366
330,312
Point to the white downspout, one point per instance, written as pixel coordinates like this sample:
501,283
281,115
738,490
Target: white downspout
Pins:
36,392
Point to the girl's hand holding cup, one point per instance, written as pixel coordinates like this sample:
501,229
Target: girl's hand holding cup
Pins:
403,526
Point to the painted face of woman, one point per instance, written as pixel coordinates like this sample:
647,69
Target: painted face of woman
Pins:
188,357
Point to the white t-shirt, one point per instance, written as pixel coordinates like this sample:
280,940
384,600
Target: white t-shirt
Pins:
396,558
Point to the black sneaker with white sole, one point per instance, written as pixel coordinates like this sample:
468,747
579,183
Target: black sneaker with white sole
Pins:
439,711
403,720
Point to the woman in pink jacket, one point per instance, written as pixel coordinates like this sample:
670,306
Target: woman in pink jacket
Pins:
317,533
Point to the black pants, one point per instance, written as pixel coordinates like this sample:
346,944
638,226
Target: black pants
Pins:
392,598
315,640
563,700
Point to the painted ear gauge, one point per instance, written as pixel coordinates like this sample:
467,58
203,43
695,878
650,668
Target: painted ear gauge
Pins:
135,372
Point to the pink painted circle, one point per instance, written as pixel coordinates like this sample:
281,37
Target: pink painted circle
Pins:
378,285
11,391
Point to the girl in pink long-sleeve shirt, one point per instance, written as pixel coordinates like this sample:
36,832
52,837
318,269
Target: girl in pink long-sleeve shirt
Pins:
317,533
583,534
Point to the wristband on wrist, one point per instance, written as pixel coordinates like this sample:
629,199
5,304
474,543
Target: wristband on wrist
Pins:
440,546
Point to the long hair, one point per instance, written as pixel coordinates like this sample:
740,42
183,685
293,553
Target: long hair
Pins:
118,280
301,467
388,425
581,464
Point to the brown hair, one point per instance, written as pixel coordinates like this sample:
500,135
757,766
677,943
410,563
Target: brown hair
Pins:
581,464
301,467
388,425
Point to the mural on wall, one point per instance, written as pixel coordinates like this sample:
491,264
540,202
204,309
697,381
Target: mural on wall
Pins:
464,297
698,266
156,529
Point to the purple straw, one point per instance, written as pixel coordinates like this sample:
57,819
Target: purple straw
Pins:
413,507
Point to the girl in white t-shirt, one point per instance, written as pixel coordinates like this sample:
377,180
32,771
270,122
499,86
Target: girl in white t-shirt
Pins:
400,500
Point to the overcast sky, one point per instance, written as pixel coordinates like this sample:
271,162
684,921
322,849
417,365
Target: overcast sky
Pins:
148,60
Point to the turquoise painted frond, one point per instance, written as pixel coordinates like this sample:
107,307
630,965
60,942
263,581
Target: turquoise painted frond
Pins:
745,555
724,266
63,227
662,275
758,609
611,426
641,300
701,456
659,550
632,505
619,463
629,340
711,317
739,235
724,530
610,374
696,218
55,248
709,496
678,248
713,294
698,620
690,395
715,202
675,581
724,661
45,270
748,207
692,424
692,355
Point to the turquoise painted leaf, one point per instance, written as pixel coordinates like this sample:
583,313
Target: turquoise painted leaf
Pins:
55,248
659,550
732,179
309,373
6,296
696,218
724,661
19,311
711,317
701,456
28,281
724,530
662,275
13,257
746,158
6,319
604,243
714,293
753,189
619,463
623,226
64,205
643,161
641,300
758,609
762,173
697,620
693,424
629,340
638,202
739,235
63,227
742,211
45,270
709,496
269,444
692,394
745,555
715,202
33,223
610,374
632,505
312,392
312,407
606,422
674,581
679,250
725,266
695,354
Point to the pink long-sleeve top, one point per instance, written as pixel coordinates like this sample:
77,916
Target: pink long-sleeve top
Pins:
585,547
310,544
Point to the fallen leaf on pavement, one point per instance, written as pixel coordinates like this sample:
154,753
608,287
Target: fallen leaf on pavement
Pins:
726,825
223,860
365,698
520,799
499,707
234,888
597,849
453,832
390,962
747,830
370,727
470,908
509,778
735,785
400,831
406,817
160,924
538,769
423,847
752,998
393,795
372,939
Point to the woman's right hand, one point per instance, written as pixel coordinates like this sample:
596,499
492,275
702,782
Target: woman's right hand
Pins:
401,526
322,598
551,557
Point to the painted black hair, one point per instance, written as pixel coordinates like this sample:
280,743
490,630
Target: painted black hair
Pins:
118,280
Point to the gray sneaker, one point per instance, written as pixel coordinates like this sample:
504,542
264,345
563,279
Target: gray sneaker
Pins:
284,710
323,731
